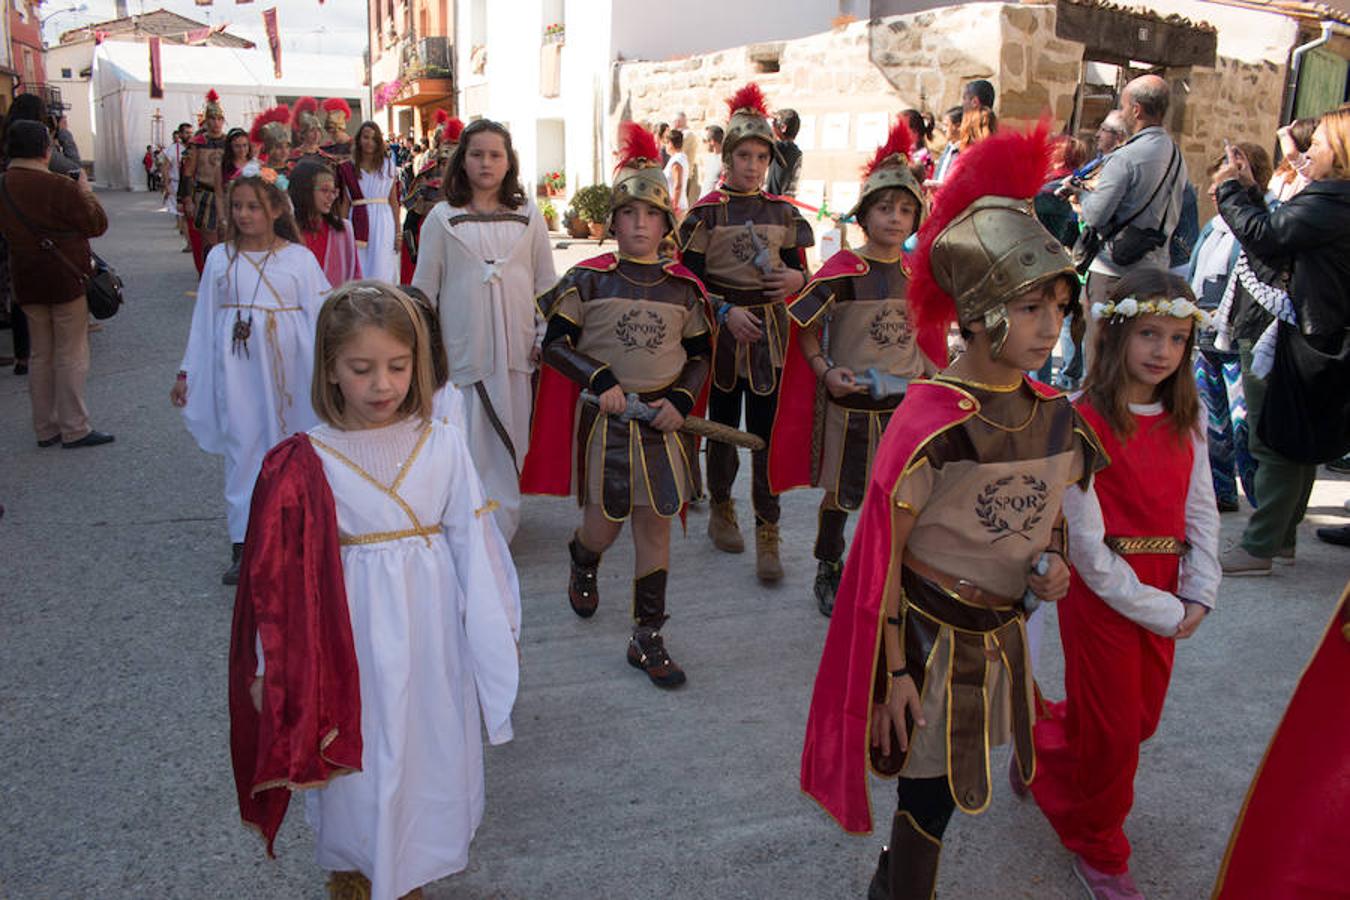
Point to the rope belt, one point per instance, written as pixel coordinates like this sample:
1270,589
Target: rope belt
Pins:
1167,546
278,358
367,201
380,537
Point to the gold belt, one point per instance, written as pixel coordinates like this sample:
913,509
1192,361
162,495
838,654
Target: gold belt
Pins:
367,201
379,537
1168,546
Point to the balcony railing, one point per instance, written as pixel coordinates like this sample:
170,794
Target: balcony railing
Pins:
429,57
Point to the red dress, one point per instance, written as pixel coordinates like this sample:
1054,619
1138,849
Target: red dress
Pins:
1116,672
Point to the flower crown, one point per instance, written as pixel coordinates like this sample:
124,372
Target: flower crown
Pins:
255,169
1129,307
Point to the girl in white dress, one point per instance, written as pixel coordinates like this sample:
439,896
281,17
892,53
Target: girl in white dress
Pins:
430,616
370,182
243,382
484,256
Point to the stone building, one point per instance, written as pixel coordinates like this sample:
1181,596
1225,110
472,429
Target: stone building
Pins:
1232,66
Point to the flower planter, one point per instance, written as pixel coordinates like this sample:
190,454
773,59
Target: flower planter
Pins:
596,230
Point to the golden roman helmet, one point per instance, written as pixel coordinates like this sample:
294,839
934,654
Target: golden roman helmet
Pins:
982,246
749,120
889,168
212,106
992,253
639,175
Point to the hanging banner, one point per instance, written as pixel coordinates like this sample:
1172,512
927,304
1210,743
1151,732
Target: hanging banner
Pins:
273,39
156,71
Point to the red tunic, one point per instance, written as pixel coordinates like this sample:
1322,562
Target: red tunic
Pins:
1116,672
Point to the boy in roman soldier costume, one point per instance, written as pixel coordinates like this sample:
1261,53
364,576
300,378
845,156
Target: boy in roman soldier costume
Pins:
424,191
336,114
272,132
749,247
926,662
624,324
854,353
200,172
307,133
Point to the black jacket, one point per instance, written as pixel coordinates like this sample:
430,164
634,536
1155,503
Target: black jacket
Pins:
1309,237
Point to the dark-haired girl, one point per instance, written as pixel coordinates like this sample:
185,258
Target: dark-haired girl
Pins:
238,151
1144,547
243,384
370,182
483,257
314,192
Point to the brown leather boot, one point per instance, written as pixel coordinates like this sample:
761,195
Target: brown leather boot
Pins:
647,651
582,591
723,528
768,568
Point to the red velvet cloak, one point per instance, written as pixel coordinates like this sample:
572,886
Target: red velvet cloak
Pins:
291,594
350,181
790,442
1291,836
548,462
835,757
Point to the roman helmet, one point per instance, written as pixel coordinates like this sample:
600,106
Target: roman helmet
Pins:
271,130
448,130
982,245
336,115
749,119
889,168
212,107
639,176
304,116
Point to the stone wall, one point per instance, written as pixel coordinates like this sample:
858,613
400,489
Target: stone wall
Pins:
848,84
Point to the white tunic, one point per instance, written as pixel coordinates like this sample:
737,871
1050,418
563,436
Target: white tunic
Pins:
379,260
240,403
435,620
482,274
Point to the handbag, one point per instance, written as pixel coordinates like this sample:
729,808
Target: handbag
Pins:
102,286
1128,243
1305,416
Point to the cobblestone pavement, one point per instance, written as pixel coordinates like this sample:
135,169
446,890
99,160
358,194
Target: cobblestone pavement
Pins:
116,780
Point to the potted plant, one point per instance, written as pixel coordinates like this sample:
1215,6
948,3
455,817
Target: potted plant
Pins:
574,224
553,183
550,214
593,205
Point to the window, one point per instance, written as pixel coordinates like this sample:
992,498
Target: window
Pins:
66,73
29,70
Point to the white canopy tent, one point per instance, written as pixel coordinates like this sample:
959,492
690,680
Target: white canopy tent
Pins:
124,113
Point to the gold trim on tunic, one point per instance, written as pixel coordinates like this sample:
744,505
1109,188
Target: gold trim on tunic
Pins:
380,537
1126,546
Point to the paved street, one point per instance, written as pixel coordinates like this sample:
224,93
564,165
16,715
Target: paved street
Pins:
116,783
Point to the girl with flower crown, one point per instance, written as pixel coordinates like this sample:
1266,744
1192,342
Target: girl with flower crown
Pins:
1143,542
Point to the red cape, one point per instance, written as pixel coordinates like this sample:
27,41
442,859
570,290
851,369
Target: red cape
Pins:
835,756
548,463
1291,835
790,444
292,595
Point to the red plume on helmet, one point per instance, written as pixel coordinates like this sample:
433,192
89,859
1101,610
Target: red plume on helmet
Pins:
337,104
440,117
749,99
1007,164
898,144
452,129
637,147
303,106
212,96
280,113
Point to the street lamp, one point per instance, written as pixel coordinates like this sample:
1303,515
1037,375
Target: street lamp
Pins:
83,7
